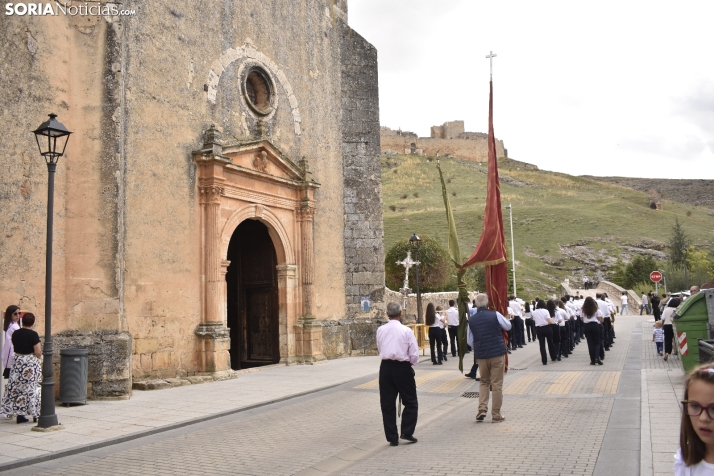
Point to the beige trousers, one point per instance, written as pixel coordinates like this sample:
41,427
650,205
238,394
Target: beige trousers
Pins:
491,371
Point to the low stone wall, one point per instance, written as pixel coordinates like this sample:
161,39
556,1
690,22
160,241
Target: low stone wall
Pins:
359,336
439,299
350,337
109,373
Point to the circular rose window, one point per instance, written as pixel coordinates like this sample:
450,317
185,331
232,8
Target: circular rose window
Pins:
258,91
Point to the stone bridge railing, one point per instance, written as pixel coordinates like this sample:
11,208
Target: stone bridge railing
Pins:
614,292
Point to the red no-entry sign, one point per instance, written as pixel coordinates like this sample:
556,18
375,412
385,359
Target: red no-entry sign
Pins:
655,276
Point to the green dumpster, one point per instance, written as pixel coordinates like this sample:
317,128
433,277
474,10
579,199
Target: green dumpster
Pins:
691,323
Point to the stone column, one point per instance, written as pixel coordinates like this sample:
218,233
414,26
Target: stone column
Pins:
305,214
311,335
224,293
211,198
214,339
288,313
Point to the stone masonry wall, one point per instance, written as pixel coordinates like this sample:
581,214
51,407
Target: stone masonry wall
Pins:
363,232
473,148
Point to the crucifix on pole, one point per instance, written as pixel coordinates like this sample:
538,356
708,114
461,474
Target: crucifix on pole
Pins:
407,262
490,57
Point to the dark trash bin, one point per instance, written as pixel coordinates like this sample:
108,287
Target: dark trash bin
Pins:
74,364
706,351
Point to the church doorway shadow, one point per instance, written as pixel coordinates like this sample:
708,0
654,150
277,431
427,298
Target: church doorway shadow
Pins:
252,297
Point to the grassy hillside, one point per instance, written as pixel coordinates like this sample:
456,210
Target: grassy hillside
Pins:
563,225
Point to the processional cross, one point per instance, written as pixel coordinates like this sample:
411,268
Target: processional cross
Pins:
407,262
490,57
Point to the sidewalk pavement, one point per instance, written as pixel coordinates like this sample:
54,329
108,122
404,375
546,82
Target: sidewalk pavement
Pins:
100,423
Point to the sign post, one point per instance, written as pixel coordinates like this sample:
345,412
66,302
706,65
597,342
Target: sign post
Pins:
656,277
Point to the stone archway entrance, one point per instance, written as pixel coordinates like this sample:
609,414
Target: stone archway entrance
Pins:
253,184
252,297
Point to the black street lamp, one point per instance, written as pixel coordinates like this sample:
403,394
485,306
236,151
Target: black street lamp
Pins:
415,243
52,137
686,275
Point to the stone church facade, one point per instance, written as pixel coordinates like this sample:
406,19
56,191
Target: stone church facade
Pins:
219,204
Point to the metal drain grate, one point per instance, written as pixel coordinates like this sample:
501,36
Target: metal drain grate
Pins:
470,394
513,368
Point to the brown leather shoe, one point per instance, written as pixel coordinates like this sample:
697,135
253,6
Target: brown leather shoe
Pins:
480,417
498,419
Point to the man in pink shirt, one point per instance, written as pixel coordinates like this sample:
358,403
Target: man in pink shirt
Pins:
399,352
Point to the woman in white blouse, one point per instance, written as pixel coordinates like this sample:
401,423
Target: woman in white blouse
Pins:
542,320
550,306
672,306
592,318
435,324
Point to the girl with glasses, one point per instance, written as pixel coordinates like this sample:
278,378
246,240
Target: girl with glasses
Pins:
696,440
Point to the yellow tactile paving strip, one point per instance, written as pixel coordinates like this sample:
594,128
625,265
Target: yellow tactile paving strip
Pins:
420,380
531,383
607,383
563,383
454,384
521,384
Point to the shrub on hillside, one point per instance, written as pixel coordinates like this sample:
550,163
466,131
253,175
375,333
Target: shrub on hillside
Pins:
636,271
434,270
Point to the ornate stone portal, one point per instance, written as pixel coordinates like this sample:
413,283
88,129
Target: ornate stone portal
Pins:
253,180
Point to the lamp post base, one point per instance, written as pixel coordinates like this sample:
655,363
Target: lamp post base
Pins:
55,427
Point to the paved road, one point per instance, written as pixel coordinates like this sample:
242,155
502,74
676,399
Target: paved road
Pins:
620,418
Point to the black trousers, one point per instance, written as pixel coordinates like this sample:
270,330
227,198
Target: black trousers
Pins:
592,334
545,334
435,338
556,339
518,330
474,367
445,342
453,337
564,341
530,328
607,326
397,378
602,341
668,336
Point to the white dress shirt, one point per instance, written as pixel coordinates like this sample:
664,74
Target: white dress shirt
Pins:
587,320
397,342
452,316
541,316
515,308
604,308
561,317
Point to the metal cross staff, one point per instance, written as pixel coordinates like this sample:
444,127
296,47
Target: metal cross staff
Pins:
407,262
490,57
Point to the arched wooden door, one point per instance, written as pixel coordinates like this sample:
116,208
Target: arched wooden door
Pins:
253,305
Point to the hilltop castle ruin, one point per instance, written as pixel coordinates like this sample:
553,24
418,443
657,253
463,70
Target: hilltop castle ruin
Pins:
450,138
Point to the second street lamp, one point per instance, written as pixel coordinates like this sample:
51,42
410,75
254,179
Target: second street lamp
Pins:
52,137
686,275
513,249
415,243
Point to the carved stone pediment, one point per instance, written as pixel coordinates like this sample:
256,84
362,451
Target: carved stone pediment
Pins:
261,157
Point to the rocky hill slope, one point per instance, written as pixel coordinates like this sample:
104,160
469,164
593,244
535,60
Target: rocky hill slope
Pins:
564,226
686,192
